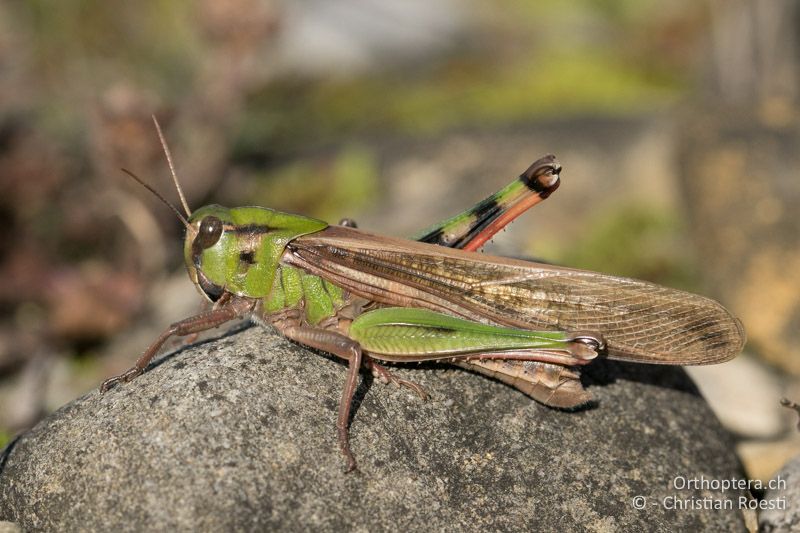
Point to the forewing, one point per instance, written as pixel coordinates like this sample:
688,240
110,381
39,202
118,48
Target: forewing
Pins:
640,321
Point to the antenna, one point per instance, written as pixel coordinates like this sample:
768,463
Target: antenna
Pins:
171,169
152,190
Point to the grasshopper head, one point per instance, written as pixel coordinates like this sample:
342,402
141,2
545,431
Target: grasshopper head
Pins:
238,250
232,250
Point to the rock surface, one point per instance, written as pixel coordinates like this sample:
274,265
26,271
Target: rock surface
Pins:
238,434
782,501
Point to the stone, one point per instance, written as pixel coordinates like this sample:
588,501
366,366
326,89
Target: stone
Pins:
238,433
745,395
763,459
781,500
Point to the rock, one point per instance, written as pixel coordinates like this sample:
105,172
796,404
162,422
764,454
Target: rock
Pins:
762,459
745,394
238,433
782,501
9,527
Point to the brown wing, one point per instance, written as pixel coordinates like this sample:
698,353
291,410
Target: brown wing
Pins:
641,321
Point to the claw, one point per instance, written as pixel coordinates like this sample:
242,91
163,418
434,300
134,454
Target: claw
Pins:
122,378
387,377
413,386
107,384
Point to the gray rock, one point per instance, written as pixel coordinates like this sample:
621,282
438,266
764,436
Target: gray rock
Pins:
745,395
238,434
781,512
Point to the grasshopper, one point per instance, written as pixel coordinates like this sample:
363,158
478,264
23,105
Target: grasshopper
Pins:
370,299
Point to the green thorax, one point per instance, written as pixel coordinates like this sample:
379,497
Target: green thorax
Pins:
293,288
245,259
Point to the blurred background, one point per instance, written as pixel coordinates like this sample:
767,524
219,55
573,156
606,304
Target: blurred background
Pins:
676,124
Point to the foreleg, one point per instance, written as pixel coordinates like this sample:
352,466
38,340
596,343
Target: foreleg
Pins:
234,308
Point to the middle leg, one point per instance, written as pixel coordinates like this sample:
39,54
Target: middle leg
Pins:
346,348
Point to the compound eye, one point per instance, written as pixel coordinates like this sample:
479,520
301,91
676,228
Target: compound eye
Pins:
209,232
